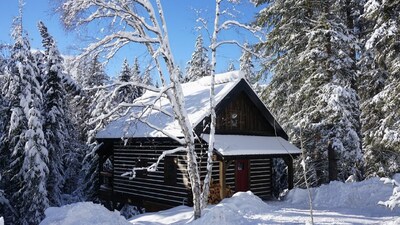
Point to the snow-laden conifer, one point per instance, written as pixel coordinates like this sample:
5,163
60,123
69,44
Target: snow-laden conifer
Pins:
28,170
231,66
380,87
56,122
90,104
312,89
199,65
247,66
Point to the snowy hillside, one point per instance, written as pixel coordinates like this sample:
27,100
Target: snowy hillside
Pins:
335,203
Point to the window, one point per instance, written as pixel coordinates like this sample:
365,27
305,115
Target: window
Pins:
234,119
170,170
240,165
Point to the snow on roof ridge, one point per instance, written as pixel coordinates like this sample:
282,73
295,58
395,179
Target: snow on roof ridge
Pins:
221,78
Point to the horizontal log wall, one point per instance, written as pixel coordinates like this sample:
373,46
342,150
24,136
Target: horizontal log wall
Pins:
149,186
261,177
152,186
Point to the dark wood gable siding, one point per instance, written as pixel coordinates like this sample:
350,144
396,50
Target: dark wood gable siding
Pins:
241,116
253,118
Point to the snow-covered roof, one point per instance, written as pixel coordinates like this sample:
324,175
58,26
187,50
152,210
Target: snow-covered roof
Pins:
196,95
233,145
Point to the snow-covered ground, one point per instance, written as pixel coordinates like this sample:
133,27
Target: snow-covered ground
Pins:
335,203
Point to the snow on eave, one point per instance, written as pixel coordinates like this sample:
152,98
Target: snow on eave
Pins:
247,145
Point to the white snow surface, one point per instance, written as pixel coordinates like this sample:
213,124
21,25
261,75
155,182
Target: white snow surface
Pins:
228,145
334,203
197,96
82,213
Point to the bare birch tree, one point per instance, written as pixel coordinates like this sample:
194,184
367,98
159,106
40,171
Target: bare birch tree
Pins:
143,22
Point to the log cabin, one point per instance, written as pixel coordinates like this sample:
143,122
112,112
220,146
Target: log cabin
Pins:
247,139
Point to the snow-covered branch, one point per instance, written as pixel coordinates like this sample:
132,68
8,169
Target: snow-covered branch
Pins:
153,167
229,23
394,200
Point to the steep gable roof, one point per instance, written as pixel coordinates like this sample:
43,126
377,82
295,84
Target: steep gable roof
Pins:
196,97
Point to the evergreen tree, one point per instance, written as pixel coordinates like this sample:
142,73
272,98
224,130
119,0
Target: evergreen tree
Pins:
28,170
247,66
136,77
199,64
231,67
380,87
56,116
312,91
90,74
125,93
89,104
147,80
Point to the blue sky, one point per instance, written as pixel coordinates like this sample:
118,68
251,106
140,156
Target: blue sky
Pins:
181,21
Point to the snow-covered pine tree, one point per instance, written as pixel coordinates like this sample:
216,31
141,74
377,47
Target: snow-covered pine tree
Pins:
247,66
90,74
199,65
125,93
380,87
136,78
56,121
231,66
4,119
28,168
3,154
285,41
92,103
312,88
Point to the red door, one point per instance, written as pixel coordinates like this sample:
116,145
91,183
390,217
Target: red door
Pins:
242,175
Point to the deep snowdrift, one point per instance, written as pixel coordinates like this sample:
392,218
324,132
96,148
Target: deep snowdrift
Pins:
365,194
82,213
334,203
239,209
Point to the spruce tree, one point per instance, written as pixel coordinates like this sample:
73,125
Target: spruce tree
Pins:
126,92
28,170
312,90
231,67
247,66
56,116
380,87
89,104
199,64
